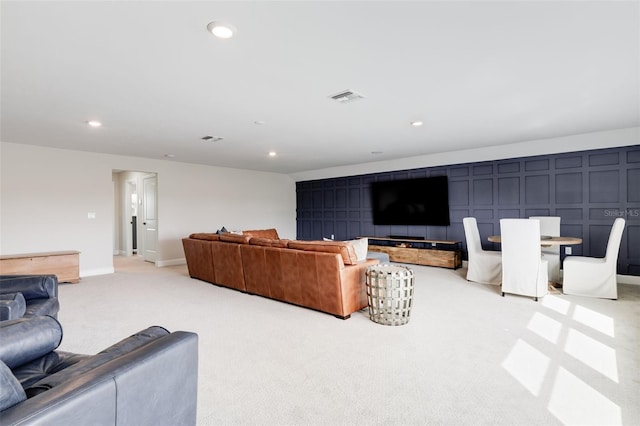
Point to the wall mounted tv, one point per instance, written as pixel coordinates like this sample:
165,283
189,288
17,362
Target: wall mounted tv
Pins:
421,201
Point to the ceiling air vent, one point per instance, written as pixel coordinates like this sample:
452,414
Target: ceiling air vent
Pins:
346,96
212,138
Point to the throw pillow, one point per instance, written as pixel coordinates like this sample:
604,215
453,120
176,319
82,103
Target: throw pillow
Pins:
361,246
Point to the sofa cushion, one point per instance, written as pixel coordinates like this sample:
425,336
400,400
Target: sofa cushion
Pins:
235,238
262,233
345,249
12,306
268,242
205,236
28,338
36,370
11,393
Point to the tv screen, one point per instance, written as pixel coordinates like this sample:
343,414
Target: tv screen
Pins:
422,201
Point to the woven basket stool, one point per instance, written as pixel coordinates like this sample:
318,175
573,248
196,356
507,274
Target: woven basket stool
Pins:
390,293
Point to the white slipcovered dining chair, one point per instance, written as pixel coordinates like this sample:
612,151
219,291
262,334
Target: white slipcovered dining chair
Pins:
484,266
595,277
550,225
524,271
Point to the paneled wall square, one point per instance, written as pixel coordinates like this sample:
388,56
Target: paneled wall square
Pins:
456,215
605,159
536,165
483,170
569,188
341,198
571,162
329,199
604,186
633,183
459,193
536,189
459,171
509,167
508,190
633,156
632,237
354,197
509,213
354,228
316,200
483,192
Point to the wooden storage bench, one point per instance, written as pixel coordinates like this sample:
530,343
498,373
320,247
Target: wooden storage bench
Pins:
64,264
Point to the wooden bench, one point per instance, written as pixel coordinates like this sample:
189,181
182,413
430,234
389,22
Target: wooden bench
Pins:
64,264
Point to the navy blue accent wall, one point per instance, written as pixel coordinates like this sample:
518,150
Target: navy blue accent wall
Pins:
587,189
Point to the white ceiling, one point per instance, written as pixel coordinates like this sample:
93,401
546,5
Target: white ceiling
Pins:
477,73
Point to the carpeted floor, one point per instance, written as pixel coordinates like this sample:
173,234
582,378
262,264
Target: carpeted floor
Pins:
467,356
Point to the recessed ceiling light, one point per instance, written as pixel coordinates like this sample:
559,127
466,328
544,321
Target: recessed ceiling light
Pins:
259,122
272,154
221,29
376,152
169,155
94,123
417,123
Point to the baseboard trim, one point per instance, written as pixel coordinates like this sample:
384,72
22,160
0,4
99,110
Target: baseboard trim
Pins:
171,262
628,279
99,271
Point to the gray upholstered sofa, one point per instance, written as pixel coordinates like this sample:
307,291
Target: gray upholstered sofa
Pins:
149,378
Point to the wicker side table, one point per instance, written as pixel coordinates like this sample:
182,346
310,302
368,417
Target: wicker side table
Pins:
390,293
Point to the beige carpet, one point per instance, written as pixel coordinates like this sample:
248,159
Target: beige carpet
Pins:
467,356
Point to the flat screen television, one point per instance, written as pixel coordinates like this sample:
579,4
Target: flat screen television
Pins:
421,201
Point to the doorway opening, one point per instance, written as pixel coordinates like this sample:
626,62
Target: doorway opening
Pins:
135,230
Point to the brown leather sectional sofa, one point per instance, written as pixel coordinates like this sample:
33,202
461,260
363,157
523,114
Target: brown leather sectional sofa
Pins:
321,275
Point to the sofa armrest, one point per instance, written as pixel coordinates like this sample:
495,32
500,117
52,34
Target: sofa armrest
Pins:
354,289
155,384
42,307
31,286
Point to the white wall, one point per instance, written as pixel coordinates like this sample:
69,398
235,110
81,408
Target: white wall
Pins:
46,194
587,141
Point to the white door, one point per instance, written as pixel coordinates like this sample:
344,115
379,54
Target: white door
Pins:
149,217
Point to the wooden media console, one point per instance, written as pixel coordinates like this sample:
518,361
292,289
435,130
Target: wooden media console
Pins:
442,253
